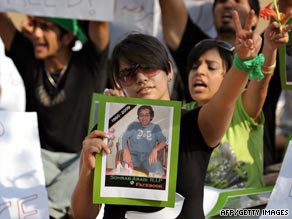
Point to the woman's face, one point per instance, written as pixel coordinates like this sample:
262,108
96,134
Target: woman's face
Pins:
206,76
146,83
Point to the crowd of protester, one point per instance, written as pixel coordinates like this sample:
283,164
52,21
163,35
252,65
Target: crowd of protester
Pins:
229,110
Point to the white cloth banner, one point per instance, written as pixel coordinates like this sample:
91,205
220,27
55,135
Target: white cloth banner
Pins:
164,213
280,203
141,16
12,95
144,16
81,9
22,181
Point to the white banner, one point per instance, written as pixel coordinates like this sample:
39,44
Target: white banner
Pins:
141,16
280,203
80,9
22,181
164,213
144,16
12,95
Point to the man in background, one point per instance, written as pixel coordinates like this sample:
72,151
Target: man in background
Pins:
59,83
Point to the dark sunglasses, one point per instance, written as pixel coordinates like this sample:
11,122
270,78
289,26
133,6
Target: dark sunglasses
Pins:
128,76
222,44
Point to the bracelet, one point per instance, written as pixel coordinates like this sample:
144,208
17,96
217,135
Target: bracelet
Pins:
268,70
251,66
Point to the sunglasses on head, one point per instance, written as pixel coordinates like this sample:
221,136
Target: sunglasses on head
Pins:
128,76
220,43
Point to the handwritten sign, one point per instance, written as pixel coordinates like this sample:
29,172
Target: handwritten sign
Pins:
144,16
22,190
81,9
141,16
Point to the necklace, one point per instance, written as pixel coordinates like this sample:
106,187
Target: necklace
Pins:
51,79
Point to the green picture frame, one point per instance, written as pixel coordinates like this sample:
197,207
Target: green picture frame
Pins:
285,63
113,185
236,198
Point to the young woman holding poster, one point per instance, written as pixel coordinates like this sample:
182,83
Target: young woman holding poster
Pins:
142,68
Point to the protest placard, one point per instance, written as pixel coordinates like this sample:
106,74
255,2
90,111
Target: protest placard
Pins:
22,181
12,95
144,16
280,203
118,181
80,9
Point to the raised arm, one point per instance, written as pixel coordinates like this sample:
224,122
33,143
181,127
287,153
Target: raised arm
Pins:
174,21
215,116
99,34
255,95
7,30
81,202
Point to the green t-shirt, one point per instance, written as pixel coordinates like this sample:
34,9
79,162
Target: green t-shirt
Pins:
238,161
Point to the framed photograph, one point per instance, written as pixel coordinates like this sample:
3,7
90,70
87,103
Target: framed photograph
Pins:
144,139
285,62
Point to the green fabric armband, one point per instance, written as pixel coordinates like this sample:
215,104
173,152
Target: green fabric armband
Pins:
251,66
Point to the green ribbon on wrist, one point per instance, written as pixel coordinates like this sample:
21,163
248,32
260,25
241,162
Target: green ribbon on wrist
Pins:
251,66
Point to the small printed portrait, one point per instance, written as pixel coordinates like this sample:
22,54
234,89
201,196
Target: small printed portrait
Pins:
139,142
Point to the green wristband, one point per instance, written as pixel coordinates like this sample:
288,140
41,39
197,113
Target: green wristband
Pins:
251,66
